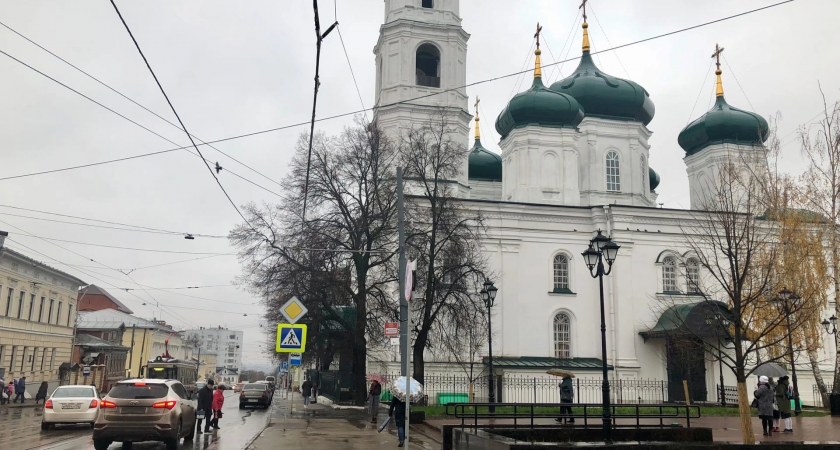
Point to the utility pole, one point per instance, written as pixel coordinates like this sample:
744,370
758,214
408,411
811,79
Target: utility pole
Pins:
405,317
131,350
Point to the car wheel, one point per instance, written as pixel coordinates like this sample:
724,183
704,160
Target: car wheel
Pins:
190,436
46,426
241,406
101,444
172,444
127,445
92,425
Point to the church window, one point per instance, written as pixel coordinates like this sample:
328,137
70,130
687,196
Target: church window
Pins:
644,175
692,276
562,336
613,174
428,66
669,275
428,4
561,273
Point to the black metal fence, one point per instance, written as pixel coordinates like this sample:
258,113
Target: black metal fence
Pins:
444,389
729,392
818,400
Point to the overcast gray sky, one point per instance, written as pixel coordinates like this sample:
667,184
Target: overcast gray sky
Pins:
238,67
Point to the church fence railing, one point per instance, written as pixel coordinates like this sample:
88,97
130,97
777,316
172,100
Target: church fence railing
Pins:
731,393
818,400
440,389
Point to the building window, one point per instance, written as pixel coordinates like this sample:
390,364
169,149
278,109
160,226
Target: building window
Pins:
562,336
561,274
2,355
14,358
23,358
58,314
31,306
43,358
613,172
669,275
427,66
52,360
41,311
20,304
9,301
692,276
428,3
69,315
644,175
49,313
33,359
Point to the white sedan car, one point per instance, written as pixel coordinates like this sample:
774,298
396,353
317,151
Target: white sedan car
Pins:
71,404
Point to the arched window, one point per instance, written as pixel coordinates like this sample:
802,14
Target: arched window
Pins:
613,175
669,275
644,175
562,336
428,4
692,276
428,66
561,274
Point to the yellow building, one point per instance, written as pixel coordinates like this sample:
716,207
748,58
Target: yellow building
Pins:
37,317
207,367
146,339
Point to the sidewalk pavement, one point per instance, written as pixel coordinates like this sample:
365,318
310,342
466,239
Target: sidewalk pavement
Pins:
322,427
724,429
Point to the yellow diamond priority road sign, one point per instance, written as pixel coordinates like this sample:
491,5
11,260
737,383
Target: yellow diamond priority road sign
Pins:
293,310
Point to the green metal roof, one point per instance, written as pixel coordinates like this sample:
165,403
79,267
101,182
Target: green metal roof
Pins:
545,363
484,165
687,318
723,124
603,95
539,106
654,179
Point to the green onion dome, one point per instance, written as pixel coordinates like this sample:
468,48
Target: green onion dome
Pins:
603,95
484,165
653,179
539,105
723,124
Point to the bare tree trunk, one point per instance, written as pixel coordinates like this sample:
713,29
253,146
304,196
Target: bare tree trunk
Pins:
815,368
746,416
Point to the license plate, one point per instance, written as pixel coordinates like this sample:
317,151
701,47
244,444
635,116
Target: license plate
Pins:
133,410
252,400
71,405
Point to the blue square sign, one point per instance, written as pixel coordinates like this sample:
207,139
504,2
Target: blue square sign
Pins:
294,359
284,365
291,338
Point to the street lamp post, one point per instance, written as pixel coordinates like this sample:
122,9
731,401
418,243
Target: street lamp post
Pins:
488,294
787,297
719,320
602,248
830,322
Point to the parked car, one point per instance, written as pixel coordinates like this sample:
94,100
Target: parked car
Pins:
71,404
271,382
255,394
139,410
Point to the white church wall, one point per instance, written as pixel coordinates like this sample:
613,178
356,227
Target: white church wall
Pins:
540,165
485,190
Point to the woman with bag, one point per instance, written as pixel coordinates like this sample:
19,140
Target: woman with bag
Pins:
764,396
783,397
373,398
218,402
567,396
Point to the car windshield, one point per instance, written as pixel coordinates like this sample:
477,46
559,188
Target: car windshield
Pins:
67,392
255,387
144,391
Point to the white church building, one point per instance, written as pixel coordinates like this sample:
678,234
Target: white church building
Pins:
575,159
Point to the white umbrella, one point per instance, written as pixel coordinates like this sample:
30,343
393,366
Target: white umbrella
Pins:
397,389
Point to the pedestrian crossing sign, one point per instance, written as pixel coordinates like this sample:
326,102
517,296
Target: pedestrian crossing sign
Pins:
291,338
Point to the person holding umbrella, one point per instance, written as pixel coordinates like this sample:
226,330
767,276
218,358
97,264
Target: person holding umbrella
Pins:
398,407
373,398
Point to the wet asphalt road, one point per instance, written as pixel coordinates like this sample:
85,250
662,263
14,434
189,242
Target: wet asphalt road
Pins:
20,429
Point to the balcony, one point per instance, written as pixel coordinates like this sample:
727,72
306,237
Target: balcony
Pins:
424,80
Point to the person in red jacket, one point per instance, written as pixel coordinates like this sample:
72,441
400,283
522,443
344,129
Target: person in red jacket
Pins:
218,402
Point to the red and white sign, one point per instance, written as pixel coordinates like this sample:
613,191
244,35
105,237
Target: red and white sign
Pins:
392,329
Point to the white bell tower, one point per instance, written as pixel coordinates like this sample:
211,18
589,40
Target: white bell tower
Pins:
422,52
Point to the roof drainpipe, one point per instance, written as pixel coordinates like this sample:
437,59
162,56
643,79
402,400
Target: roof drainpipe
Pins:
611,295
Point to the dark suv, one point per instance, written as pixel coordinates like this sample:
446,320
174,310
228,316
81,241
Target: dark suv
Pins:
145,410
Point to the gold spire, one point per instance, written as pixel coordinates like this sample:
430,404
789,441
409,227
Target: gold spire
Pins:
585,26
538,52
477,132
716,57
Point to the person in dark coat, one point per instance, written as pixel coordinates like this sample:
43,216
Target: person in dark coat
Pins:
765,397
306,392
3,394
567,396
205,403
397,411
42,392
783,400
373,397
20,390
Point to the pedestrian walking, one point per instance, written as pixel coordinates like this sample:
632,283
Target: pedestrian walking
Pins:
4,397
765,396
783,396
567,396
373,397
218,402
205,406
42,392
20,390
397,411
306,392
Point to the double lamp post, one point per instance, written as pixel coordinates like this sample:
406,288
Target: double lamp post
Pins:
488,294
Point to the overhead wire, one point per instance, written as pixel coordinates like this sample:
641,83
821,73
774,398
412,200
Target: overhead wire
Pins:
167,233
699,94
568,41
126,248
739,83
442,91
129,98
608,39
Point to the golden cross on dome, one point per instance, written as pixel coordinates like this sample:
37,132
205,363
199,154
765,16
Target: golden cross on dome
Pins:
537,34
716,55
477,101
583,7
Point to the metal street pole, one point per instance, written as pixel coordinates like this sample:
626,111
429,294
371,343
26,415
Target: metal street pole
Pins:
405,318
797,407
490,388
720,369
605,389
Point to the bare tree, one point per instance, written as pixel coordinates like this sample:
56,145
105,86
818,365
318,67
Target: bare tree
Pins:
338,259
444,236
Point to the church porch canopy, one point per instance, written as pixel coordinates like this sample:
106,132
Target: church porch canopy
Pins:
695,319
544,363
